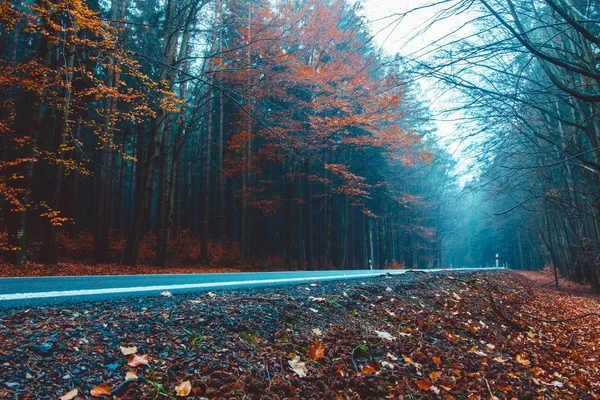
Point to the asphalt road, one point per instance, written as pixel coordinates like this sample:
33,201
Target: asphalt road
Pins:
29,292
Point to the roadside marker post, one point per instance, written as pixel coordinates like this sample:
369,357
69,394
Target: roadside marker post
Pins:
497,260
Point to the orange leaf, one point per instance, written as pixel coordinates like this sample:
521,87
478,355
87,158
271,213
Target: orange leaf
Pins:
437,360
368,369
408,360
424,384
131,376
522,360
316,351
136,360
100,390
435,375
183,389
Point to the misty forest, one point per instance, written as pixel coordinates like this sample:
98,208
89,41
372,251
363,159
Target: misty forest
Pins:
281,134
299,199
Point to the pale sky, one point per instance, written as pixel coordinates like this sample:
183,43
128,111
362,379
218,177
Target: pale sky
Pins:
413,36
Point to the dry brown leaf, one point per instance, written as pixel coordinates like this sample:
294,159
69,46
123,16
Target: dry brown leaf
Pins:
70,395
166,293
136,360
368,369
340,371
424,384
128,350
298,367
435,375
100,390
131,376
408,360
316,351
437,361
522,360
183,389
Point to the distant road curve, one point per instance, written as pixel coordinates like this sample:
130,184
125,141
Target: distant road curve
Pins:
28,292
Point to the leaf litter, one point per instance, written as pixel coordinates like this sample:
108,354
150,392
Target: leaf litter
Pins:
505,338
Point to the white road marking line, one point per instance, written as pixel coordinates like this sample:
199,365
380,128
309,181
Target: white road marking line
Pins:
137,289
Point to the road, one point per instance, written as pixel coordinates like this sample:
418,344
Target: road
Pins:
29,292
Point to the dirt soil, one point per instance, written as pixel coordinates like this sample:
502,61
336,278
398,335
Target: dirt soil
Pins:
431,336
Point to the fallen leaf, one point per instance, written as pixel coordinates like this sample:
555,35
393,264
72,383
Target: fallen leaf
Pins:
385,335
211,294
317,299
298,367
368,369
317,331
387,365
128,350
435,375
131,376
136,360
437,361
424,384
100,390
183,389
166,293
313,310
522,360
70,395
316,351
408,360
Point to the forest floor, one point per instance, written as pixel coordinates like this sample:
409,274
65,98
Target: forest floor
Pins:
32,269
420,335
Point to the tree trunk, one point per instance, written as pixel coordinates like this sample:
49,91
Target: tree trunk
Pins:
49,254
309,219
159,127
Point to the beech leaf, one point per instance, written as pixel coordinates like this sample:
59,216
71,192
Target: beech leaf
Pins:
316,351
131,376
183,389
136,360
424,384
522,360
101,390
368,369
70,395
128,350
298,367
